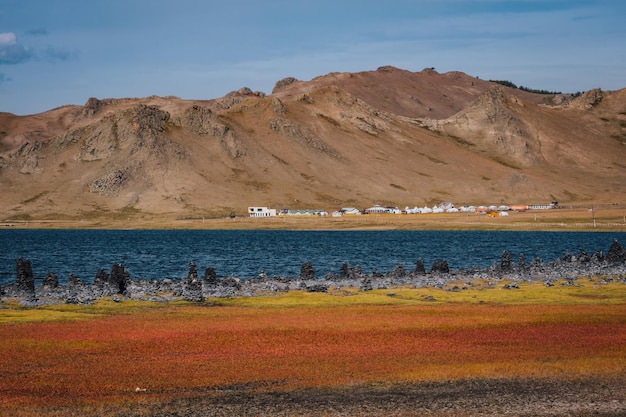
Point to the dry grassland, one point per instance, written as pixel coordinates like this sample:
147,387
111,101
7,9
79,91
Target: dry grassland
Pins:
606,218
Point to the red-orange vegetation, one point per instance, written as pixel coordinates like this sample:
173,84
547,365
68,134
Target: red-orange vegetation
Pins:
191,349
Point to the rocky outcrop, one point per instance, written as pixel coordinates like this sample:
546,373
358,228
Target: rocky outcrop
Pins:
50,282
505,262
588,99
202,121
301,135
419,267
616,253
111,183
492,124
307,271
235,97
24,279
210,277
119,278
440,266
282,84
92,106
192,286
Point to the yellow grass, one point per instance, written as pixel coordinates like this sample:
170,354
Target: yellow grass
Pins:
586,291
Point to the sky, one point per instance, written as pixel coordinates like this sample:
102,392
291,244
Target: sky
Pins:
54,53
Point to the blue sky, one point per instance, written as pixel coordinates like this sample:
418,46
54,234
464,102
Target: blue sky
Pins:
61,52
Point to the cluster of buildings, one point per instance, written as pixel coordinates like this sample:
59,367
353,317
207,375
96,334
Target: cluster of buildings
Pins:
501,210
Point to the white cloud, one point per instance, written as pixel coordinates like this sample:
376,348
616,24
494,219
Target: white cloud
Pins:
7,38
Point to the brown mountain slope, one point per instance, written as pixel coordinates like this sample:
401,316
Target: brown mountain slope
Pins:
388,136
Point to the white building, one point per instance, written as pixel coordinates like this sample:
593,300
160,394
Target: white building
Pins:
377,209
261,212
350,210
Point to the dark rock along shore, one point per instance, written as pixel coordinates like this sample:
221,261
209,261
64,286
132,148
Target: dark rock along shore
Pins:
119,285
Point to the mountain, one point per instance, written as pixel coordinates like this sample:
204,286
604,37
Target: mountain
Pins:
388,136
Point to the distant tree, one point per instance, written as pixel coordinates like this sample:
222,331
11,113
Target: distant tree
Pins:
504,83
507,83
535,91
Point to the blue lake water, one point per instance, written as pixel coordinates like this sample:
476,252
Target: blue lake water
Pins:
159,254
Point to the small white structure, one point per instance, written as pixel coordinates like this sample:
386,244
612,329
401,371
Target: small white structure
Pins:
552,205
446,206
261,212
350,210
377,209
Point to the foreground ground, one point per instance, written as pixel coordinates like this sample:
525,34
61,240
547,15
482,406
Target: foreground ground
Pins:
482,351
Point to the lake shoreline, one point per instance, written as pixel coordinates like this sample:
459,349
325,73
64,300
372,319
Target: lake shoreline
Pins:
562,219
599,268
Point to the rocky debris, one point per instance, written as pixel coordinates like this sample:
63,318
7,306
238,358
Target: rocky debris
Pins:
50,282
277,106
146,121
75,281
193,272
419,267
583,257
398,271
230,282
344,270
317,288
210,277
109,184
366,284
505,262
440,266
24,279
102,278
616,253
307,271
119,278
192,286
202,121
521,264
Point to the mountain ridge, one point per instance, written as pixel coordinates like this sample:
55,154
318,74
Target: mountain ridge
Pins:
388,136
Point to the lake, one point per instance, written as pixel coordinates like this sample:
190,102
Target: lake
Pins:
159,254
